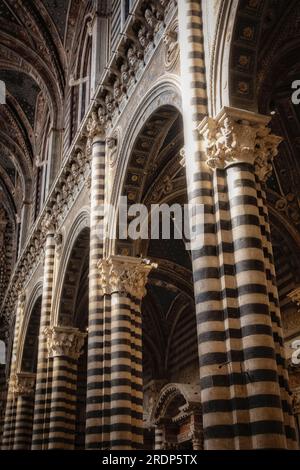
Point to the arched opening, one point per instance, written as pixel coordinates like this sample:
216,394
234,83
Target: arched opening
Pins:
24,378
177,417
73,312
156,176
30,349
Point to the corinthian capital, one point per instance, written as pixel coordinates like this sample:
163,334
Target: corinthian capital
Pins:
64,341
124,274
48,225
22,384
96,123
238,136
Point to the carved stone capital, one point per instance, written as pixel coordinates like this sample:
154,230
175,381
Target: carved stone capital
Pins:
22,384
124,274
64,341
48,225
238,136
96,123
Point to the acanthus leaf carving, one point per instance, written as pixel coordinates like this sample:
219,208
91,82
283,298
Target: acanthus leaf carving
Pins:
22,384
124,274
96,123
238,136
64,341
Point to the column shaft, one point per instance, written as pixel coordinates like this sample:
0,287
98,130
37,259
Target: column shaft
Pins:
11,402
63,404
94,418
44,365
159,438
126,428
24,421
257,356
65,347
242,371
275,315
123,280
137,371
9,422
247,382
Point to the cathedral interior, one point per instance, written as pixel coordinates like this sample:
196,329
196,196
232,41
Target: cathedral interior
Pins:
110,342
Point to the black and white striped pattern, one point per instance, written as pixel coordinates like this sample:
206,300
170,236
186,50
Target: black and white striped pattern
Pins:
276,317
121,408
159,438
63,403
95,383
44,365
11,400
24,420
242,370
126,393
9,421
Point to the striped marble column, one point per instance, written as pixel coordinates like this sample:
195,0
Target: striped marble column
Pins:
244,403
44,372
159,438
11,403
94,419
10,417
235,318
24,392
64,347
274,305
123,279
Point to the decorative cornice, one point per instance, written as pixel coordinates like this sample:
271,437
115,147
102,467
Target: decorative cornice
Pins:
64,341
238,136
22,384
124,274
132,52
